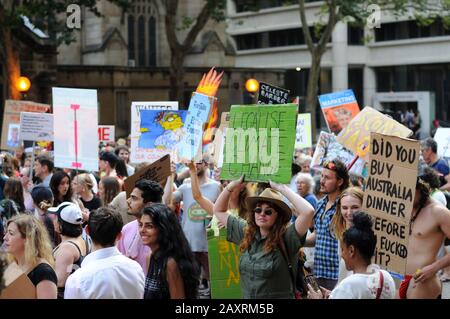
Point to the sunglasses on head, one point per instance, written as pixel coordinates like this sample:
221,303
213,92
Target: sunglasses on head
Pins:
267,211
330,165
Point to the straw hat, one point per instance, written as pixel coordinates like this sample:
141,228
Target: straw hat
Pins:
273,197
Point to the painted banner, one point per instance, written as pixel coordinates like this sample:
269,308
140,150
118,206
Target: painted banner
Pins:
389,197
442,138
76,128
11,120
36,126
190,147
269,94
328,148
260,143
156,171
139,130
338,109
106,133
303,137
224,266
356,136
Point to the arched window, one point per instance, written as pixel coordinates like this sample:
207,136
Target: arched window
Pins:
152,41
141,41
131,39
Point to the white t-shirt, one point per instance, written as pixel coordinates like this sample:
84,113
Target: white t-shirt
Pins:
439,197
364,286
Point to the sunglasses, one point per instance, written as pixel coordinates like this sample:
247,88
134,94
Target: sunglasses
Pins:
267,211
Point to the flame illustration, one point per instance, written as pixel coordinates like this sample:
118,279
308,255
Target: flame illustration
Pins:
209,85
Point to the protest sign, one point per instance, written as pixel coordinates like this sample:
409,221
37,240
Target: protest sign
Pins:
106,133
190,147
11,120
36,126
338,109
303,137
224,266
442,138
17,284
76,128
328,148
389,196
219,139
269,94
157,171
260,143
139,130
356,136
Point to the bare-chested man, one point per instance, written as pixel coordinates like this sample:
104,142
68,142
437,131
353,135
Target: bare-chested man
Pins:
430,224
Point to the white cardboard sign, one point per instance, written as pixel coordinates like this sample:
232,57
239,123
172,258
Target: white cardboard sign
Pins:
36,126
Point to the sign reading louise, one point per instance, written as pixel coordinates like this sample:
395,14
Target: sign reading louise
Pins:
142,118
338,109
260,142
75,128
389,196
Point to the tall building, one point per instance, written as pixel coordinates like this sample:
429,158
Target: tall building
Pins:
386,66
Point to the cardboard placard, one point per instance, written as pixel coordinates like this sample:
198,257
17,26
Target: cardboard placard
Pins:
338,109
157,171
270,94
18,285
356,135
328,148
76,128
200,106
139,154
36,126
160,134
260,143
224,266
389,196
442,138
11,120
219,139
303,137
106,133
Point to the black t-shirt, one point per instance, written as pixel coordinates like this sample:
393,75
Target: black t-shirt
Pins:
93,204
42,272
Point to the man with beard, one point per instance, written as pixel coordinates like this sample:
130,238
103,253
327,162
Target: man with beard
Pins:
429,225
145,193
194,219
334,179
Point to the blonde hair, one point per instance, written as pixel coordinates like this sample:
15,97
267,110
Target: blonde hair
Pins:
37,240
85,180
337,225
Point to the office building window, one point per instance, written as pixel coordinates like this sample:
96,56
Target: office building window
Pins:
409,30
152,41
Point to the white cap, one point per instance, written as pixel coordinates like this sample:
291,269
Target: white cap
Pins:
69,212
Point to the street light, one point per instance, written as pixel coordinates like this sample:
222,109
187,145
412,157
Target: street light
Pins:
23,84
252,85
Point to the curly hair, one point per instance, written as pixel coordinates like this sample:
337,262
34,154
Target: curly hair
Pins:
37,240
173,244
274,237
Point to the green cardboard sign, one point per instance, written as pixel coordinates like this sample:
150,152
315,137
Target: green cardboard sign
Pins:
260,143
224,267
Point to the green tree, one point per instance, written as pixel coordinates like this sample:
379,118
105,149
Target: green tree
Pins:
43,14
212,9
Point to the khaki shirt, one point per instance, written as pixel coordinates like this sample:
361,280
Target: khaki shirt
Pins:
265,275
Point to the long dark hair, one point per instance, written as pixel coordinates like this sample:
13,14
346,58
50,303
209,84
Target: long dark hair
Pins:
121,168
14,191
57,178
361,236
173,244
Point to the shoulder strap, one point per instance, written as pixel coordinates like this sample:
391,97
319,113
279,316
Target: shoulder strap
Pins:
380,289
286,257
78,248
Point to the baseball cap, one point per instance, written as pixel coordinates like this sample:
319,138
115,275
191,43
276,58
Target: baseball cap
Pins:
69,212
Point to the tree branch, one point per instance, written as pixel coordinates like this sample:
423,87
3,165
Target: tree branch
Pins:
170,22
305,28
332,20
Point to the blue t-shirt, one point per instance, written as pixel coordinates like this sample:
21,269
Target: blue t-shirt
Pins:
441,166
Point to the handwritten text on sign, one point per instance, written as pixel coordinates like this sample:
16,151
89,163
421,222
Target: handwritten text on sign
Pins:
389,196
269,94
260,143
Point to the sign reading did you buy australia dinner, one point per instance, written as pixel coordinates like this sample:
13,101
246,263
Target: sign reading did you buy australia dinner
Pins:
260,142
389,196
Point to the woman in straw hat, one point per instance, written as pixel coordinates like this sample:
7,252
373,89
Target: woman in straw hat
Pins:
269,245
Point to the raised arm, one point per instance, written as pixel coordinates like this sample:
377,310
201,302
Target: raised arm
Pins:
204,203
304,210
221,204
167,196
